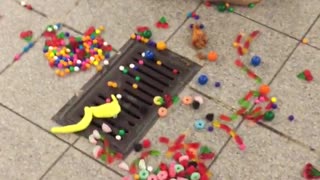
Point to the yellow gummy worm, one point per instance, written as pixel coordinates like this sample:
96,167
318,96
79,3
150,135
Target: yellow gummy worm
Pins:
107,110
81,125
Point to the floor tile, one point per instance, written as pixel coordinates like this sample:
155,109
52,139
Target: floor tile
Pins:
293,17
54,9
12,23
298,97
33,90
271,46
26,151
120,25
268,156
181,119
77,166
314,35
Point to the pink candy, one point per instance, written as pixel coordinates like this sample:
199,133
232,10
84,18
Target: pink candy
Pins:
152,177
162,175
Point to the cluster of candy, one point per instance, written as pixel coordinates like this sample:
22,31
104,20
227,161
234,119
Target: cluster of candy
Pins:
71,54
249,72
188,162
244,49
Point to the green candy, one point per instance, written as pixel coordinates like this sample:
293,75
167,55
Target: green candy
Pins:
205,150
122,132
251,5
231,9
143,174
137,78
178,168
163,20
221,7
125,71
147,34
268,116
195,176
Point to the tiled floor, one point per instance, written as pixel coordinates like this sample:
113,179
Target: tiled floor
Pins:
30,93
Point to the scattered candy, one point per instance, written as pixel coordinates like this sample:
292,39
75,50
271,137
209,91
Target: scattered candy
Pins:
203,79
118,137
217,84
255,61
187,100
199,124
264,89
268,116
212,56
199,99
161,45
149,55
162,23
291,118
305,41
26,35
210,117
251,5
195,105
310,172
124,166
162,112
146,143
250,73
137,147
305,75
242,50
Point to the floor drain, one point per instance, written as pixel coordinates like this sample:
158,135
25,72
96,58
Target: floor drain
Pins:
138,112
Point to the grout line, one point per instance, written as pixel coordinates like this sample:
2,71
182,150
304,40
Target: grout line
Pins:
33,10
183,22
107,167
281,134
23,117
55,162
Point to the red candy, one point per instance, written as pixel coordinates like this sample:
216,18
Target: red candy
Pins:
146,143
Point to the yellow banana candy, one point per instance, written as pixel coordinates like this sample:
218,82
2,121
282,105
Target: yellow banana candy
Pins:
107,110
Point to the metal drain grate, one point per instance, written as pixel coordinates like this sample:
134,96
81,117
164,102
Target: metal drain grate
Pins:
138,112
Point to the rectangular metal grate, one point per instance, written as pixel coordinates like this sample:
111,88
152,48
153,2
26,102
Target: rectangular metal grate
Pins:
138,111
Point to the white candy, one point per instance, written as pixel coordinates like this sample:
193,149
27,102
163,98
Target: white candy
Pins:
121,68
106,62
119,96
118,137
76,69
123,165
96,134
106,128
79,61
143,54
131,66
150,168
142,164
105,43
92,140
92,58
23,3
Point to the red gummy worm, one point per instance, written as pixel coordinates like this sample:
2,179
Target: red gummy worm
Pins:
225,128
225,118
240,51
241,111
248,96
238,63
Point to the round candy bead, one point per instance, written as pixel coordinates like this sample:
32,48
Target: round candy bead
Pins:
203,79
147,34
210,117
149,55
178,168
143,174
137,147
198,99
161,45
273,99
118,137
119,96
264,89
291,118
195,176
217,84
212,56
150,168
199,124
210,128
122,132
195,105
255,61
274,106
268,116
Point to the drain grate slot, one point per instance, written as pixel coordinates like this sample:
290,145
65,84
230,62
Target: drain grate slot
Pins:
138,112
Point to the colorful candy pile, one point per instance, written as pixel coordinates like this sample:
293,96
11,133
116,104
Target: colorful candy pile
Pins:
71,54
188,162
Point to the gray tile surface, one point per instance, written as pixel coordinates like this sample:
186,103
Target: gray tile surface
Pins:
298,97
293,17
57,9
121,18
33,90
268,156
75,165
26,151
181,119
314,35
271,46
12,23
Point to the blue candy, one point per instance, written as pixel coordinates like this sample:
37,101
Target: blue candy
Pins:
199,124
255,61
149,55
203,79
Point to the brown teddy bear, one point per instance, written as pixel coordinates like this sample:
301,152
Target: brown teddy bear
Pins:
236,2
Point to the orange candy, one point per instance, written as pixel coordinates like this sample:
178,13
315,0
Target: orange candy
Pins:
212,56
264,89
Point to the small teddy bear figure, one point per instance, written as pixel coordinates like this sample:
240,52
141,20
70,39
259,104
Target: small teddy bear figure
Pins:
199,38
